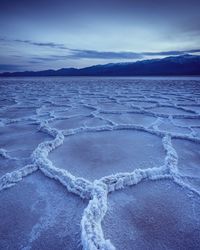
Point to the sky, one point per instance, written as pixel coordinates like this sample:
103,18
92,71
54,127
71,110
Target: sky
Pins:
53,34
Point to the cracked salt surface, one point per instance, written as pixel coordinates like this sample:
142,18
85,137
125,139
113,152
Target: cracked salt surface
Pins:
124,156
149,216
39,213
189,157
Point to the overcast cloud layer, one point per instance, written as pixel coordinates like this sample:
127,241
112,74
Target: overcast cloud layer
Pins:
44,34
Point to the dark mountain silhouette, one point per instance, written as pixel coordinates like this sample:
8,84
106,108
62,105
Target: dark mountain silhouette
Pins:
169,66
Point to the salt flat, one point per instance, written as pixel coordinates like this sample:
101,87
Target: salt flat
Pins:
99,163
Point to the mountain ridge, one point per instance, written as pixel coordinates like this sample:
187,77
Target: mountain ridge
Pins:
168,66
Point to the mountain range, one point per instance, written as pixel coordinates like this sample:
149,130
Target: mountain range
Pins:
168,66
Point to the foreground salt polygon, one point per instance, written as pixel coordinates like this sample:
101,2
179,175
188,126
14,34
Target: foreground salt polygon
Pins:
96,136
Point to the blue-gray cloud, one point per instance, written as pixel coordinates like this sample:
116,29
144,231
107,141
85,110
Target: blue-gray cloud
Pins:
40,44
89,54
9,67
171,52
92,54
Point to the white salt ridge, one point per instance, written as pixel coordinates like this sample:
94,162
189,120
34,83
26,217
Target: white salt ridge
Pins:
97,191
4,153
10,179
92,234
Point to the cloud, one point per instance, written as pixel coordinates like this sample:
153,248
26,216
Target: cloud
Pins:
9,67
171,53
94,54
40,44
89,54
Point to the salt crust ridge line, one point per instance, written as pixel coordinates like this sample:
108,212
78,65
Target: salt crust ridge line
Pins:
10,179
92,233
